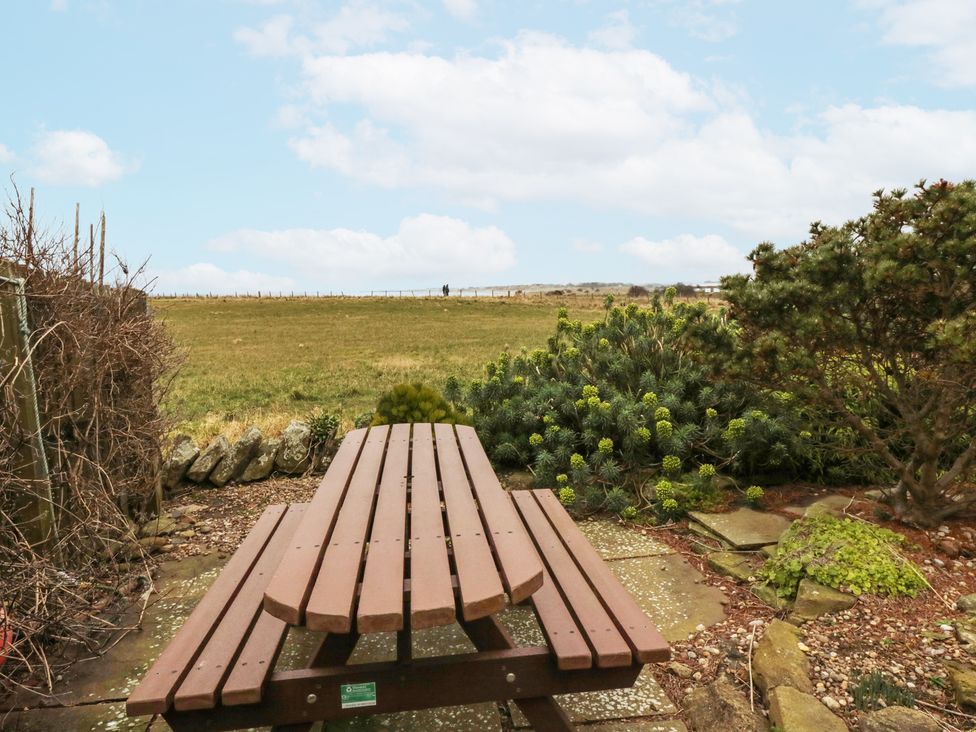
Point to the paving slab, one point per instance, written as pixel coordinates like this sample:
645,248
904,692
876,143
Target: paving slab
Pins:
744,528
834,504
672,593
638,725
84,718
616,541
644,699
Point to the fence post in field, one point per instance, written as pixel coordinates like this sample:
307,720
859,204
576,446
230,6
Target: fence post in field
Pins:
36,508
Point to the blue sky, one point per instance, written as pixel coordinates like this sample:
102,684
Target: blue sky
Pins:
244,145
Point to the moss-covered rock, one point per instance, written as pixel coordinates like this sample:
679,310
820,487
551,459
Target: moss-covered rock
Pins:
814,600
794,711
778,660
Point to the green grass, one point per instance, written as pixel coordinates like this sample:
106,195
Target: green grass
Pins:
263,362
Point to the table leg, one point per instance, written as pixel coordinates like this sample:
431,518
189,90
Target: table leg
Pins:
333,650
543,712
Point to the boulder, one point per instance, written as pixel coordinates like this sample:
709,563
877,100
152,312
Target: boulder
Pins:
295,454
736,565
794,711
966,633
181,457
967,603
963,680
720,705
681,670
778,660
162,525
207,460
814,600
899,719
263,461
237,458
767,593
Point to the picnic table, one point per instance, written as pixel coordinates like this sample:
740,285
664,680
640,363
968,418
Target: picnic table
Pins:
409,529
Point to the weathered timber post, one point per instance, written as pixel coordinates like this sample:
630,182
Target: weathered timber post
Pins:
36,507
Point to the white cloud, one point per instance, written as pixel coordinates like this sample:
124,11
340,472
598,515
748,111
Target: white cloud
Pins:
545,120
204,277
687,258
59,6
707,20
618,33
462,9
944,26
584,246
6,154
357,24
77,157
271,39
425,247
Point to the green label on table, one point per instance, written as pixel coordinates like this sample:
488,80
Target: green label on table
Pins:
358,695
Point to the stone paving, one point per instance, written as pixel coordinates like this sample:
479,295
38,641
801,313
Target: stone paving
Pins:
665,585
744,528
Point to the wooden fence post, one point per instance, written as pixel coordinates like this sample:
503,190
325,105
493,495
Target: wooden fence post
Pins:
17,378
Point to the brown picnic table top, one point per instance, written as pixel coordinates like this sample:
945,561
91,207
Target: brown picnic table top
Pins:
397,508
409,529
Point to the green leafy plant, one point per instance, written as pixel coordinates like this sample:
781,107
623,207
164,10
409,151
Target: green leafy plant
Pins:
851,555
754,495
415,403
614,402
323,426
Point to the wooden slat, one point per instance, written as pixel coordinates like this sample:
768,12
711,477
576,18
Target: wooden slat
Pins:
381,603
330,604
289,589
200,688
154,693
518,560
563,635
609,647
432,594
478,582
253,667
643,637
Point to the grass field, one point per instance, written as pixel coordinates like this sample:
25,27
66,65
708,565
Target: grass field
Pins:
263,362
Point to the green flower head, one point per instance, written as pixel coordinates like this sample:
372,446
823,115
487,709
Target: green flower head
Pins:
603,343
664,489
642,435
805,435
664,429
567,496
754,494
593,401
605,446
650,398
706,470
572,352
535,439
662,414
562,479
577,461
589,390
669,505
629,513
735,430
711,413
671,464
